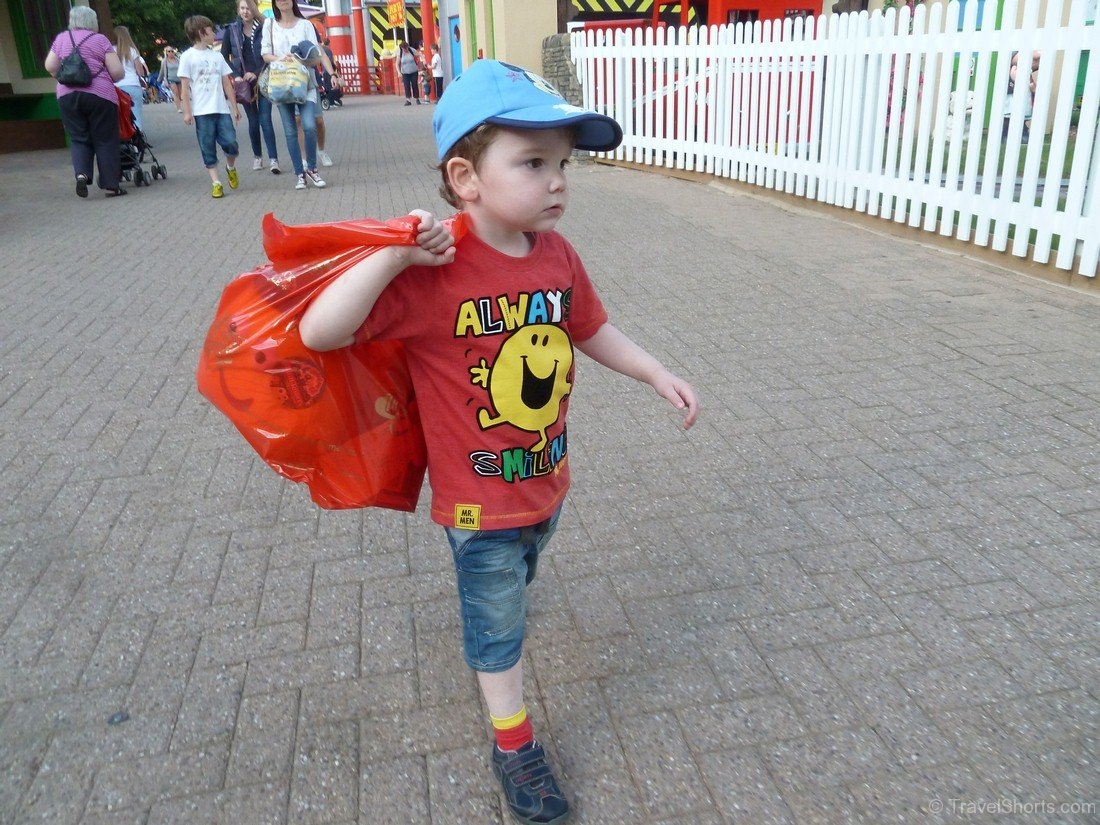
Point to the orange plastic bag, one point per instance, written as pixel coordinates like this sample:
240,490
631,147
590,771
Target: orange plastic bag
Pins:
343,422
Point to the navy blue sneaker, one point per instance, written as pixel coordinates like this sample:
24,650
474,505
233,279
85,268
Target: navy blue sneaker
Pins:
529,785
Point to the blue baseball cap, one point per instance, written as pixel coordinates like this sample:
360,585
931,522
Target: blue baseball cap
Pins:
494,92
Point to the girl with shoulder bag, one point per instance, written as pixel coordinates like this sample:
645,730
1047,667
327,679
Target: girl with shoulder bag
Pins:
241,49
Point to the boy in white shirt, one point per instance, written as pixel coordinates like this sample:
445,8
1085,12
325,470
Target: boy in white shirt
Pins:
207,96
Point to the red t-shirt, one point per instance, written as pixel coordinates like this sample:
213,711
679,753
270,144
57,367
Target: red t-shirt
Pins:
489,343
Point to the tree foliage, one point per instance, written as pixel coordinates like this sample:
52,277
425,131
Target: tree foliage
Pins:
155,24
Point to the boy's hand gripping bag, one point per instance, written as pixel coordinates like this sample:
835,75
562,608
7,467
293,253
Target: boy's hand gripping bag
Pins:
343,422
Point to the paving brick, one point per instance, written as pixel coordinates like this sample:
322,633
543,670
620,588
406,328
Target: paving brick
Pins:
324,786
263,739
395,792
976,681
933,795
825,759
665,771
299,668
263,804
661,689
139,782
334,615
819,697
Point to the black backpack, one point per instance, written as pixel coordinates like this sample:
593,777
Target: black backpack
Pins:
73,71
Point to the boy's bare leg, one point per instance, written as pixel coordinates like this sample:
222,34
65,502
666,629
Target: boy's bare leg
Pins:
528,783
503,691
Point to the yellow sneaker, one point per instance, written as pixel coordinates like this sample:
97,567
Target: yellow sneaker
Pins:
216,190
234,178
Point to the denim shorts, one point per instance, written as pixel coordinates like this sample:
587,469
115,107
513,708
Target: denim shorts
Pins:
492,570
213,131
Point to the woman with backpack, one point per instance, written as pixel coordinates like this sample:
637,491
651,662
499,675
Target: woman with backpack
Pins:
88,99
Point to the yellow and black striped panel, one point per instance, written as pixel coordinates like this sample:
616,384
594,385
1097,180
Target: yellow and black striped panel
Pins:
622,7
381,35
614,6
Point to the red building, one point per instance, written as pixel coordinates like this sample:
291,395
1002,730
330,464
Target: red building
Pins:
721,12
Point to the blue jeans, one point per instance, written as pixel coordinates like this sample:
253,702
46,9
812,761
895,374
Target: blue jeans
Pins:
259,122
492,570
137,99
213,131
287,111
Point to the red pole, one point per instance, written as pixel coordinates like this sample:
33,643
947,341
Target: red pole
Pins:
427,28
360,39
427,23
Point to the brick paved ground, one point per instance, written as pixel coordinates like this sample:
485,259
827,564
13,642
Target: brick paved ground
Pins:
864,588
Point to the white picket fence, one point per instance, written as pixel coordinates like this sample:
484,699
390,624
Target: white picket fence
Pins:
859,111
348,68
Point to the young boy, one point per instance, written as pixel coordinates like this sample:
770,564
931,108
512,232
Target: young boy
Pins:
489,330
207,96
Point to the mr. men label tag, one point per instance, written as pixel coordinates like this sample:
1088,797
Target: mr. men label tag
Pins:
468,516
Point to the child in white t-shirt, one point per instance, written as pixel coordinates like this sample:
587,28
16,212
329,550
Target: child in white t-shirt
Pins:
207,96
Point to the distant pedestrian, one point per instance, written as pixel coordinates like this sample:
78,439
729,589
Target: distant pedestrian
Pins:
437,71
169,74
208,98
90,113
409,68
1020,83
327,78
135,69
241,46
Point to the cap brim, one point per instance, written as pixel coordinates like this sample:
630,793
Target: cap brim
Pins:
595,132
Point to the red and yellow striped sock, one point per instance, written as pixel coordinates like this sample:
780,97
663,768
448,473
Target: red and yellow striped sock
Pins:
513,732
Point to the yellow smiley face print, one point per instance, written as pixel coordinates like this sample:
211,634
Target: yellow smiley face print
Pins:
528,380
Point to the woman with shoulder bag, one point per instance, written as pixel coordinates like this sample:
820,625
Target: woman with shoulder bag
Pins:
241,47
409,67
282,43
90,112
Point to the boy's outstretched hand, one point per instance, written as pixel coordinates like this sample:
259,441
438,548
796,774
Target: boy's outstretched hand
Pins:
680,393
610,347
435,245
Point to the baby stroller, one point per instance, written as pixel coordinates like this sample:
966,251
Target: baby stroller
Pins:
330,95
157,93
134,147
